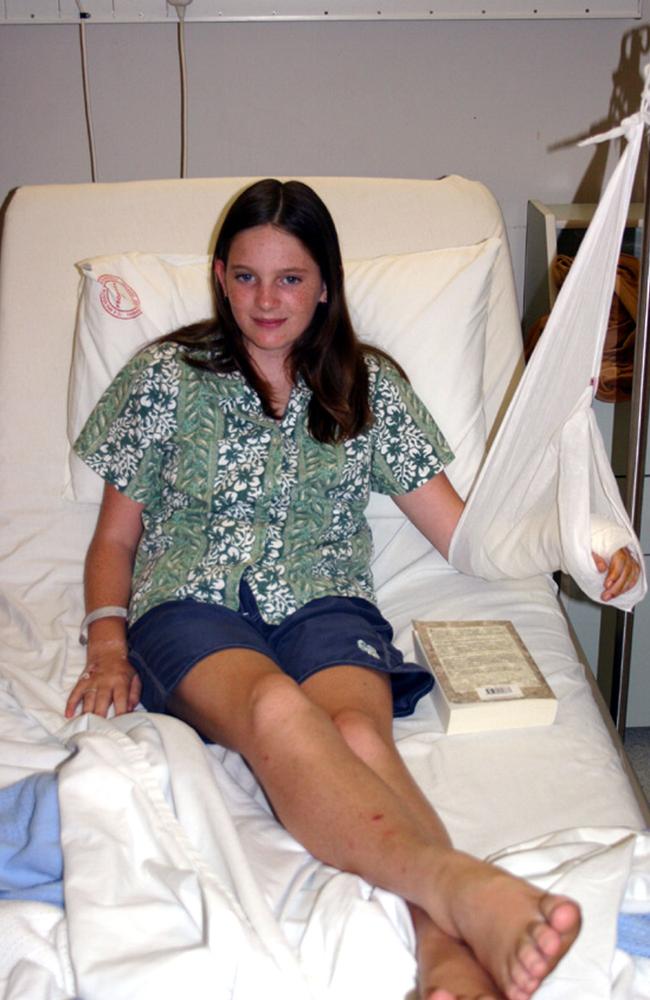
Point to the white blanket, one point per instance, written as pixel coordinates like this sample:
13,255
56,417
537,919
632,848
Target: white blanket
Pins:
179,880
185,885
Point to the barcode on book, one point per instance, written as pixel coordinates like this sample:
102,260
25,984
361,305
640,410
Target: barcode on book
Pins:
494,692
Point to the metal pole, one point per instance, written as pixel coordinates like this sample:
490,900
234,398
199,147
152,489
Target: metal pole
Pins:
636,457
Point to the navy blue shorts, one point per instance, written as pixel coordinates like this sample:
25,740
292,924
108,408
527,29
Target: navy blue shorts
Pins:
172,638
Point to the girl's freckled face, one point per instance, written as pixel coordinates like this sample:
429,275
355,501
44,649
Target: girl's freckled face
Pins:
273,285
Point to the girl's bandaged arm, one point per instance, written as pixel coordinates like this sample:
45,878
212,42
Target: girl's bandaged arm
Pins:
435,510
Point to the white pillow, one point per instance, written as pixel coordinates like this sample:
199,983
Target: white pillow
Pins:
428,310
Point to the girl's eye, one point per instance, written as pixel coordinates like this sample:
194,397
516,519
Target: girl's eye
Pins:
292,279
244,277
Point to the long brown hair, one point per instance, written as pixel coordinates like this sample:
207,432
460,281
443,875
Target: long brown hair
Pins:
328,355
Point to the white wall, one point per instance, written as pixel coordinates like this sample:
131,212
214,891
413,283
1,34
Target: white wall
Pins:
419,99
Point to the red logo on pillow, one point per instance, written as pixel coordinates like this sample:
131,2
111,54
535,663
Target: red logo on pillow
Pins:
118,298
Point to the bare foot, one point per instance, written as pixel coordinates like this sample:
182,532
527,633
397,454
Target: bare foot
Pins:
447,969
517,932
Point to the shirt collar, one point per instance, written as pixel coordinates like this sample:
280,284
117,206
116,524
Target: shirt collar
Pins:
233,391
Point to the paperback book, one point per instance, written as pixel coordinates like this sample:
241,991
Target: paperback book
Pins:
485,677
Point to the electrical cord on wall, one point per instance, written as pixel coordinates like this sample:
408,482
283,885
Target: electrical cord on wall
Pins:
83,16
181,6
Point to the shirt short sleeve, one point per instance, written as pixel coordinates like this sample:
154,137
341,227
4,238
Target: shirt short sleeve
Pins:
408,446
123,439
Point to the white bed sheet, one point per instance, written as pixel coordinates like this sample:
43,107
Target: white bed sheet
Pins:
172,841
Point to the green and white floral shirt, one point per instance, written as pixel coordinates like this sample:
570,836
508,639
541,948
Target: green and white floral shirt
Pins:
228,491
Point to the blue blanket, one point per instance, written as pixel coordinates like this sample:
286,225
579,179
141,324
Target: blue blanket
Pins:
31,861
634,933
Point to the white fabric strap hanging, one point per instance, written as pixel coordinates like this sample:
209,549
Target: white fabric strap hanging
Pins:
546,495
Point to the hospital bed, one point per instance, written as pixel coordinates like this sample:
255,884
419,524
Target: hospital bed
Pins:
177,880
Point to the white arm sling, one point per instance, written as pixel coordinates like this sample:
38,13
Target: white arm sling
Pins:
546,495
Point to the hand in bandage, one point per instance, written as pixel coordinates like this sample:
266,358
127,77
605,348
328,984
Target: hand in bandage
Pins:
622,572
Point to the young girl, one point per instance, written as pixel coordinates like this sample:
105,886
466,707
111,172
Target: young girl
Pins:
238,456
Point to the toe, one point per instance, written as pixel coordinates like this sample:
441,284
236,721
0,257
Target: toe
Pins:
560,913
523,978
547,944
515,992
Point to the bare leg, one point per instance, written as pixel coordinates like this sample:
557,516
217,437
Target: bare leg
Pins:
360,705
447,968
347,816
